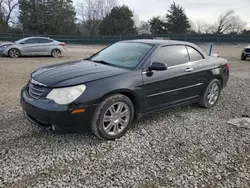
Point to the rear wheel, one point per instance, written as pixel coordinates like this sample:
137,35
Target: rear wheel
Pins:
14,53
113,117
243,57
211,95
56,53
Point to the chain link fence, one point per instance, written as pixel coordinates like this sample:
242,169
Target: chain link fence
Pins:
76,39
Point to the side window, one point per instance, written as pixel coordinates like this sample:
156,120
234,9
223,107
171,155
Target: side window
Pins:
194,54
45,41
32,41
172,55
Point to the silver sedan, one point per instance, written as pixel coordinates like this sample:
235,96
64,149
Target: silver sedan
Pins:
35,46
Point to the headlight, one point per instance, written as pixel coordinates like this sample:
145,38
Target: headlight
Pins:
66,95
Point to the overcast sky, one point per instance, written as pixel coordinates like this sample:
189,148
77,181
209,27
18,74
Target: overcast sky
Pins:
207,10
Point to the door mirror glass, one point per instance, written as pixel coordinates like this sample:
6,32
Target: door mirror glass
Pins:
157,66
23,42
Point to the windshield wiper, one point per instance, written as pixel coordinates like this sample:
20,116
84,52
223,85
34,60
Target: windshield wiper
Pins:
103,62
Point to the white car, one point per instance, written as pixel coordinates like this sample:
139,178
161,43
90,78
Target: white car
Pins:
35,46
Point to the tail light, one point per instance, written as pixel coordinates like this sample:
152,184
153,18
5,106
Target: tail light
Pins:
228,66
62,44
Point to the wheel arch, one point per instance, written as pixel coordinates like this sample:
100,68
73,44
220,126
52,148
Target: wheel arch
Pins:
132,96
55,49
220,80
11,48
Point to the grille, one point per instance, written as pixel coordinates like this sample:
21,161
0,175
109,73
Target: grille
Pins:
36,91
247,50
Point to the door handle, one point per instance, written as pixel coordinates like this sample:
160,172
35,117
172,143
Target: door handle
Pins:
189,69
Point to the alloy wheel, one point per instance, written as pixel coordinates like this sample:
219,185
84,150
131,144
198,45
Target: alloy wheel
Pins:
116,118
56,53
14,53
213,93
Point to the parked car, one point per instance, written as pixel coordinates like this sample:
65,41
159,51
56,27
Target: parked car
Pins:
245,53
109,90
35,46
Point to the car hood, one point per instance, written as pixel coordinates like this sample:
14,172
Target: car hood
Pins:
7,43
74,73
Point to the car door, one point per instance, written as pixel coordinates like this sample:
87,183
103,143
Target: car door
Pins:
30,46
168,88
201,74
45,46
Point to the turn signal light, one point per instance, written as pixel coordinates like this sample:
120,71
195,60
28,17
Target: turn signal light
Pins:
78,111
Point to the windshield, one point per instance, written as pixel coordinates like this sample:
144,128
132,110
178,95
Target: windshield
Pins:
123,54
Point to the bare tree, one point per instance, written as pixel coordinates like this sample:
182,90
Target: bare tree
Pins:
192,26
203,27
105,6
225,22
7,8
199,26
238,25
88,15
144,28
210,29
229,22
144,25
92,12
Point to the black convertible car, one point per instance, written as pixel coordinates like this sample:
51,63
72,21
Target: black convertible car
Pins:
121,83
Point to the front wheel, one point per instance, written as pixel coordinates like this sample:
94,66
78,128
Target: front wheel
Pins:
211,95
113,117
14,53
243,57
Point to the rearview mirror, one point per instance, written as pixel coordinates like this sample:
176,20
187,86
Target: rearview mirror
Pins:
22,42
156,66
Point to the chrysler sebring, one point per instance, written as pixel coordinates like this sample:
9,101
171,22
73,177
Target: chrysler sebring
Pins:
109,90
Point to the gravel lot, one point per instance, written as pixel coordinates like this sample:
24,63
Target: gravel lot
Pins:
182,147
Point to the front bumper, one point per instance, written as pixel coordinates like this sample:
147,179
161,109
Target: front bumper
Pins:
247,54
52,117
2,51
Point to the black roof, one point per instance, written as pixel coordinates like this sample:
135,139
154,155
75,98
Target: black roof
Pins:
158,42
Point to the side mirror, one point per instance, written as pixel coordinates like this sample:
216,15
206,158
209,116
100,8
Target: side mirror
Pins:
156,66
23,42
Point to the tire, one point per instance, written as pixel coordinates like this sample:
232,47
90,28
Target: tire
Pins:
114,126
56,53
14,53
206,100
243,57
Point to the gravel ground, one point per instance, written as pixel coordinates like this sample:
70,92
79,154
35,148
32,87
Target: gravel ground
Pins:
182,147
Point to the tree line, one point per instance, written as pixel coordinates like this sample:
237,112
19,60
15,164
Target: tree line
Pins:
105,17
